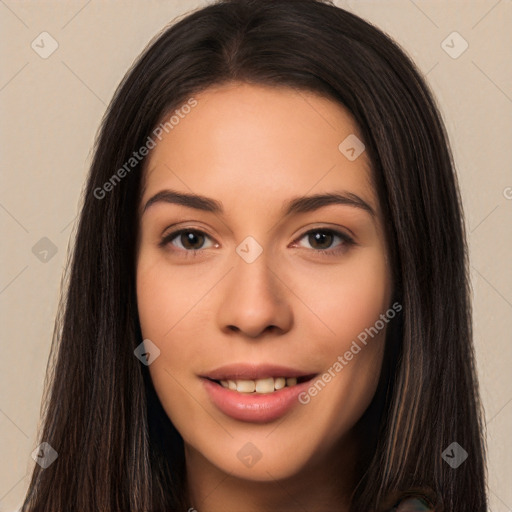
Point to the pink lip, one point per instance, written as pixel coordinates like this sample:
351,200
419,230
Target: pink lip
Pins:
254,407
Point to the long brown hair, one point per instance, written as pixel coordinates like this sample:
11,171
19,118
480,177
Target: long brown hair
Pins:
117,449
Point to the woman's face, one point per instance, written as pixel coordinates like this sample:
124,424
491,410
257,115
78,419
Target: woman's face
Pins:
264,283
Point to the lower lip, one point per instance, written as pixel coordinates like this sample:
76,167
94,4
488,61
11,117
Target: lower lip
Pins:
254,407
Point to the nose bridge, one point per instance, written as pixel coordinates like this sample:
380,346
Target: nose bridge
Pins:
255,297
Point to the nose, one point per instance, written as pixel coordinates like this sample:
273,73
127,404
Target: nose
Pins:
255,299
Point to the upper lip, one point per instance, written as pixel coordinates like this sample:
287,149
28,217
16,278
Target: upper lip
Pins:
253,372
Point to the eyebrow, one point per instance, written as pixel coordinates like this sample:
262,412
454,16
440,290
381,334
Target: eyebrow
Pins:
293,206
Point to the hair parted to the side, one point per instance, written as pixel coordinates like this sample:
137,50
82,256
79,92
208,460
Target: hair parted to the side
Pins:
117,449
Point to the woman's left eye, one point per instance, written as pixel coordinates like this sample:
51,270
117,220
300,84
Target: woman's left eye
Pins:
323,237
192,240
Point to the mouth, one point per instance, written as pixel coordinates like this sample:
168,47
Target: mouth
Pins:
256,393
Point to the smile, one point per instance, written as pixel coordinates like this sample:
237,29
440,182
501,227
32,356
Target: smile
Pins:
255,394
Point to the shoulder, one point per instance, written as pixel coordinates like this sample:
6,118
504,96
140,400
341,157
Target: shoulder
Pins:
412,505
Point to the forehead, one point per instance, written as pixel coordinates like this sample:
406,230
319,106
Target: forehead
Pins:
252,145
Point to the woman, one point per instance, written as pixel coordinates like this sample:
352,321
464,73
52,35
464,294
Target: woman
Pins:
256,370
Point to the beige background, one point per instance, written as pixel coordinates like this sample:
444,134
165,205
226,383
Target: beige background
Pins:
52,108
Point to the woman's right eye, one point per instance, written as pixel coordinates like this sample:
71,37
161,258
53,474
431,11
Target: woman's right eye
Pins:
188,240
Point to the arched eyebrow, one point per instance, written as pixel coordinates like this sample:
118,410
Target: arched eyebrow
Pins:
295,205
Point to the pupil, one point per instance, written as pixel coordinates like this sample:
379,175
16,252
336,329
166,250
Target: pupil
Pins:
320,237
189,239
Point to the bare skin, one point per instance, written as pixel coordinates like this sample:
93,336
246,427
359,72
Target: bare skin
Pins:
254,148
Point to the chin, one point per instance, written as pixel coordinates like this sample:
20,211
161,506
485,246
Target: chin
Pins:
257,460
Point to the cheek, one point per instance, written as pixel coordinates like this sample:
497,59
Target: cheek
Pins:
168,306
351,346
350,301
350,304
167,295
165,306
159,306
157,296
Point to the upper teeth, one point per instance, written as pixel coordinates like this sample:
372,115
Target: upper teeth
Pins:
267,385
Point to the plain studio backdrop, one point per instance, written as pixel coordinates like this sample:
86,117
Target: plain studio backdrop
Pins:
61,62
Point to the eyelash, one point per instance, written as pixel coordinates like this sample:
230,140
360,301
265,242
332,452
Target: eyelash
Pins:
347,241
